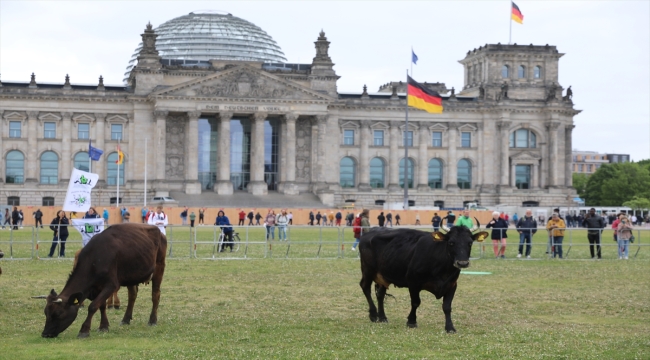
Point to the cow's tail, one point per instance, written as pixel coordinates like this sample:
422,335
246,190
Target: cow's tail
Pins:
387,294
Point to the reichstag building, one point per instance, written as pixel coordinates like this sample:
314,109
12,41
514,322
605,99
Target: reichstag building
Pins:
221,110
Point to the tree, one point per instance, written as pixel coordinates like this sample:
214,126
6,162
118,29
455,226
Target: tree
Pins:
614,184
580,183
638,203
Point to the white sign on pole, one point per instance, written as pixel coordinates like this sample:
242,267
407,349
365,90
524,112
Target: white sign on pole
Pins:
78,196
88,228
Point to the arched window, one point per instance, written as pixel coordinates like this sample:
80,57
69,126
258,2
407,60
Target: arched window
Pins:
464,174
15,168
377,173
347,172
537,73
505,71
523,138
111,174
435,174
81,161
521,72
409,173
49,168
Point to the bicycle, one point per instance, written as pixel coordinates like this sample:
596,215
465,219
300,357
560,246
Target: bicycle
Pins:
236,241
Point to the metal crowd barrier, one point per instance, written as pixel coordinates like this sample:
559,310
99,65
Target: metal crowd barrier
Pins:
305,242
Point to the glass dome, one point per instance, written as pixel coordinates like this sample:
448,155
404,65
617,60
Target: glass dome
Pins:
194,38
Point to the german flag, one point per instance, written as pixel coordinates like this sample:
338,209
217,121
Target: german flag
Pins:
120,156
422,98
516,14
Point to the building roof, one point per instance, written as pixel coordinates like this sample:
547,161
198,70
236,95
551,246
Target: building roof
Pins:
212,35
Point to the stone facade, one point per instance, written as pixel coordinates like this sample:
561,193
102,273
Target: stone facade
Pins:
318,129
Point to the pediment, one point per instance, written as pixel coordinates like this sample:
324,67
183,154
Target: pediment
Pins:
467,127
49,117
117,119
242,82
83,117
348,124
439,127
525,155
15,115
381,125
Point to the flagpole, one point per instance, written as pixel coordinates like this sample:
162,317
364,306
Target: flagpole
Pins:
145,172
90,159
117,201
510,20
405,144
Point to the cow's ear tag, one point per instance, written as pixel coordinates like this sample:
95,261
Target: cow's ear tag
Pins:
438,236
76,301
481,236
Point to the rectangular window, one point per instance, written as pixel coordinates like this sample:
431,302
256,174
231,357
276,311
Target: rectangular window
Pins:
378,138
48,201
14,129
408,141
436,137
522,176
589,168
116,132
83,131
581,168
615,158
466,139
49,130
348,137
13,201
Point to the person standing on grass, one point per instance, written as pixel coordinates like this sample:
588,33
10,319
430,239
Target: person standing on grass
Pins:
451,218
105,216
290,217
144,212
60,227
381,219
38,218
556,228
7,219
318,217
258,217
192,218
184,216
527,227
269,222
466,221
242,217
435,221
499,236
282,220
250,218
397,219
201,216
159,219
324,219
356,230
330,217
339,217
623,235
15,218
311,218
223,221
389,220
594,224
417,219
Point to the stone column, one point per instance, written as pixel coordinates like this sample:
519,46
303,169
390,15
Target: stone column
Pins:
290,187
257,185
534,175
568,155
553,153
364,161
504,136
481,162
513,175
452,158
394,156
192,184
160,144
100,166
66,148
31,165
321,121
423,169
224,185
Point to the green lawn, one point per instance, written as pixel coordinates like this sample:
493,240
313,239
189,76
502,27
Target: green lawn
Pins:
304,308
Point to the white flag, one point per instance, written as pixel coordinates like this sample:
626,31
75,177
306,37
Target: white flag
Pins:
78,196
88,228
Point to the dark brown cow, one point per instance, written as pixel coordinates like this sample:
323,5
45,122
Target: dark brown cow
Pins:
1,256
122,255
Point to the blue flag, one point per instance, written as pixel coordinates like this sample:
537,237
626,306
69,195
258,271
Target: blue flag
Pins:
414,57
94,153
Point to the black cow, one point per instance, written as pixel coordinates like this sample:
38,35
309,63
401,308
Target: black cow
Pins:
1,256
122,255
418,260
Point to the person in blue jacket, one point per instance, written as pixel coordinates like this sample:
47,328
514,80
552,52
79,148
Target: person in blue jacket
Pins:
224,222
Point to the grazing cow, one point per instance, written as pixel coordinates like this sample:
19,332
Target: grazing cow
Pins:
418,260
122,255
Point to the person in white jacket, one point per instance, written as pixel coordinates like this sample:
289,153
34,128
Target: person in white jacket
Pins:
159,219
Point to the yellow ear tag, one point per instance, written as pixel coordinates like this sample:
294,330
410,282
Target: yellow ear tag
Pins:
437,236
76,301
481,237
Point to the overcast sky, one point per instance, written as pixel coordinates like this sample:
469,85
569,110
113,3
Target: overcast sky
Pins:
607,46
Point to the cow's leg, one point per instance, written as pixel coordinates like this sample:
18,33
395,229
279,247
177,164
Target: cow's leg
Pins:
366,284
128,315
156,280
116,299
99,301
103,324
446,308
380,291
412,320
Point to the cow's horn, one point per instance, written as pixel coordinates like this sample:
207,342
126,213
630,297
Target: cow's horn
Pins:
59,300
477,226
445,228
39,297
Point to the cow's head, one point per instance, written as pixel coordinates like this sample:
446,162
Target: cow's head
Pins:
459,241
59,313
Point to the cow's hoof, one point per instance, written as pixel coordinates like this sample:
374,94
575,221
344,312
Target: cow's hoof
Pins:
103,329
125,322
83,335
373,318
412,325
117,307
109,307
153,323
383,320
451,331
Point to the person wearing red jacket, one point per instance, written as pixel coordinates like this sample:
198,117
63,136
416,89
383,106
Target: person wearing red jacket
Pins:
242,217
